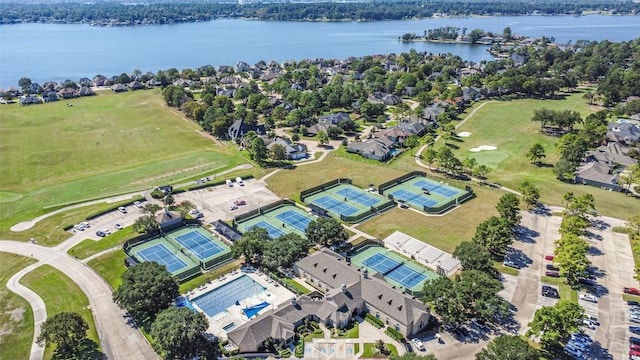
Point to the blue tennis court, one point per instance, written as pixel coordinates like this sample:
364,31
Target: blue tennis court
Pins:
381,263
335,206
199,245
298,221
273,231
163,256
358,196
413,198
439,189
406,276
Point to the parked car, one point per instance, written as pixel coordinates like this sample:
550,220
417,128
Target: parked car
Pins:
585,281
199,215
633,303
548,291
634,353
634,347
589,298
634,318
634,329
106,231
117,226
552,273
85,224
549,257
418,343
138,204
632,291
233,207
122,209
552,267
593,320
511,264
78,227
240,202
634,340
589,324
101,234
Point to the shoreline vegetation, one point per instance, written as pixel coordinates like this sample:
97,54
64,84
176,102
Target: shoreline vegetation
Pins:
147,13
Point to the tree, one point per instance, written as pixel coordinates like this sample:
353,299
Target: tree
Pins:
530,194
474,256
326,231
179,334
413,356
151,209
147,288
509,209
448,160
536,152
580,206
251,244
510,347
555,324
412,141
495,235
322,138
481,171
185,207
430,156
168,201
258,150
25,85
571,256
630,175
67,330
278,152
146,224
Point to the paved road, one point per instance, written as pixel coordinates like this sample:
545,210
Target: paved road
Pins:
117,339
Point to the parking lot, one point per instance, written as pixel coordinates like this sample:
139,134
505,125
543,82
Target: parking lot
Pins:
610,254
108,221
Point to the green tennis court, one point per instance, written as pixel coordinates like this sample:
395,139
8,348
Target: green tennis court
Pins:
422,193
396,269
278,221
345,200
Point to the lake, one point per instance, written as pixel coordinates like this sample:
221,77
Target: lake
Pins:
44,52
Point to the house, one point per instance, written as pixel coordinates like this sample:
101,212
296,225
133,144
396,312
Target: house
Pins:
50,96
602,166
225,69
315,129
414,128
86,91
375,149
431,113
348,292
624,132
135,85
167,219
100,80
382,98
30,99
292,151
242,67
119,88
335,118
67,93
239,129
394,134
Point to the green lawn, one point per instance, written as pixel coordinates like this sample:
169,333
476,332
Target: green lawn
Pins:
16,315
371,351
110,267
60,294
103,145
90,247
508,126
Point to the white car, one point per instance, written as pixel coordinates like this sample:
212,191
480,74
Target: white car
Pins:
589,298
122,209
106,231
85,224
418,343
78,227
117,226
138,204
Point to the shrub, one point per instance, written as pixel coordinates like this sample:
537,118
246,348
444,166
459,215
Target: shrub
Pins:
394,334
374,321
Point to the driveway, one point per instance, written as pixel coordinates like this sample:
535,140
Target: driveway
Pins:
117,339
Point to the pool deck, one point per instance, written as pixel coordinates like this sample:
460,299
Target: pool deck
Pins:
274,294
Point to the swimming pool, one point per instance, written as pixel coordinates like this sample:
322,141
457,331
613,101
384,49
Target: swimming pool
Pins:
219,299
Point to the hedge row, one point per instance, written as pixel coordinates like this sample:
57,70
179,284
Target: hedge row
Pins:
394,334
374,321
115,206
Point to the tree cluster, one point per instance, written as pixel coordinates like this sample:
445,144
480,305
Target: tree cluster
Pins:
496,234
554,325
258,248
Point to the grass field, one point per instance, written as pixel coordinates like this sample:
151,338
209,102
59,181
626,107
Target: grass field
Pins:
110,267
60,294
508,126
90,247
103,145
16,315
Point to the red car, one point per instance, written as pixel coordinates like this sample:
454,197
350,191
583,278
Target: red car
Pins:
634,353
632,291
548,257
240,202
634,347
552,273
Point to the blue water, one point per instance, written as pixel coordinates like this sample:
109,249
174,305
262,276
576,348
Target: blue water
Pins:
56,52
253,310
184,302
219,299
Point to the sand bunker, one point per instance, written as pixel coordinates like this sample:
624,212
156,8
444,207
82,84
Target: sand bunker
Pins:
464,134
483,147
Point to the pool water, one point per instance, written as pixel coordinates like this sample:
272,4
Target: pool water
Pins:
219,299
253,310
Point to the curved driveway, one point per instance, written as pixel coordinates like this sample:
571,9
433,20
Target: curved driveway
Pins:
117,339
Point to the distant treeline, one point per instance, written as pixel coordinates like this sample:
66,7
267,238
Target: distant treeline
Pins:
115,13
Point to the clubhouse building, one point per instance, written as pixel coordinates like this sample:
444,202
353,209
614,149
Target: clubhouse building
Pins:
347,292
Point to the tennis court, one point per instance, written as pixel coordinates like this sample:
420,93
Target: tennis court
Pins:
335,206
395,269
273,231
358,196
199,245
163,256
298,221
437,188
278,220
413,198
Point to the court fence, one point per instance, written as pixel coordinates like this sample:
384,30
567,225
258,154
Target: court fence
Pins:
322,187
399,180
257,212
451,203
373,210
